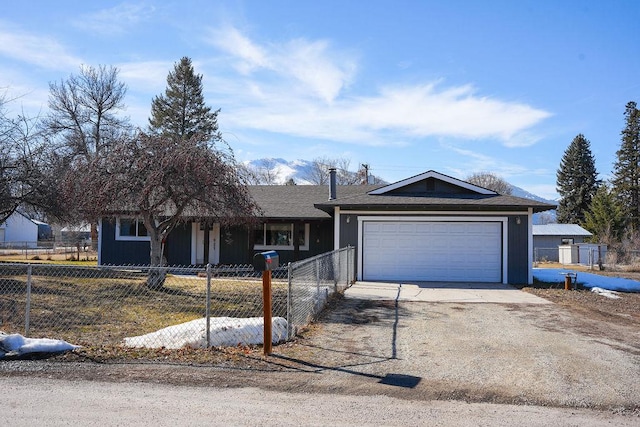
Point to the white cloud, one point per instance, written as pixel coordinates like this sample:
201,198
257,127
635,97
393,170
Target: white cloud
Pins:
427,110
248,55
146,75
298,87
310,68
36,50
116,20
478,162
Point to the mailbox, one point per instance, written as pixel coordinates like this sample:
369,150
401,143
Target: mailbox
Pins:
266,261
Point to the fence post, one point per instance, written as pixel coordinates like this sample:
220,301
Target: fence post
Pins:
27,310
289,303
348,252
317,282
208,307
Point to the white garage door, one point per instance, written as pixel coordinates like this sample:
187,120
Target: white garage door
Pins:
432,251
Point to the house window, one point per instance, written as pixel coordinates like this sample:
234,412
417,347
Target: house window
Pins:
567,241
280,236
131,229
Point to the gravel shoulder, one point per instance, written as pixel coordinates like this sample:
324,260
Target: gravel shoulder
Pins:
568,354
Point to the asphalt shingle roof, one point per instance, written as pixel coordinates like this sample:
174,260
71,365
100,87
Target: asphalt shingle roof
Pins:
312,201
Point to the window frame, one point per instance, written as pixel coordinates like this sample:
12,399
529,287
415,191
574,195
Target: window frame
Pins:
265,246
137,237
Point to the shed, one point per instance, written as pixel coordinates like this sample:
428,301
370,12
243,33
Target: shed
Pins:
548,237
18,231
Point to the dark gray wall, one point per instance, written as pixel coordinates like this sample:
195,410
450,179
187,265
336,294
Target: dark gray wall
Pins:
120,252
236,244
127,252
518,255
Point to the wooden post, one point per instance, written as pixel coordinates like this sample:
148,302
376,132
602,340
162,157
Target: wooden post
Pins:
266,298
567,282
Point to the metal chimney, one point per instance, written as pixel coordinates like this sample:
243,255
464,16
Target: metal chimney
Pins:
332,183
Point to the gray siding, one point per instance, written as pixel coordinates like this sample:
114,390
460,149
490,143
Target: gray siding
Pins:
518,254
177,248
545,248
119,252
125,252
236,244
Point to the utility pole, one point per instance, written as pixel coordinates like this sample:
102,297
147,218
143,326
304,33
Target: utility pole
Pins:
365,166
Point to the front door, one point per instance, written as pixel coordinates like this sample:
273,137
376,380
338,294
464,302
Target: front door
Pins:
198,248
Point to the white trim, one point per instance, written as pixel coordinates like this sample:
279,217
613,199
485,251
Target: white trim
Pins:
214,236
118,237
432,174
503,220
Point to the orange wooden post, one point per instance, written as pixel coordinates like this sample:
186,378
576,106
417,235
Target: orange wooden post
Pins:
567,282
266,299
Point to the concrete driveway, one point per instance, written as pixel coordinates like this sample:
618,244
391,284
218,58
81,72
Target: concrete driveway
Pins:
442,292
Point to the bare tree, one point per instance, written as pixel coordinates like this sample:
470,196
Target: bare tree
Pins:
84,110
490,181
319,172
24,162
153,185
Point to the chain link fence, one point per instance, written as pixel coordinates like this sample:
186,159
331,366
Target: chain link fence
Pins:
195,306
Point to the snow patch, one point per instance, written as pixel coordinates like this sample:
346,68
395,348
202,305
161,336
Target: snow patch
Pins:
605,293
224,331
588,280
15,345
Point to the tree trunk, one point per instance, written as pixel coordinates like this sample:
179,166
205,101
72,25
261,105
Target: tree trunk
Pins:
157,273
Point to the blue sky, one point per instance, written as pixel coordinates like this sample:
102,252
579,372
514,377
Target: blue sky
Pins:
404,86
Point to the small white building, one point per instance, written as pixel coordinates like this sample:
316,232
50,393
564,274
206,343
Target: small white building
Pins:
582,253
18,231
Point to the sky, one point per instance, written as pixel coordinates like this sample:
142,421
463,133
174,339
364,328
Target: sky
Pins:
403,86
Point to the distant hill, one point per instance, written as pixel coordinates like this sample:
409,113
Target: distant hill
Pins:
547,217
282,171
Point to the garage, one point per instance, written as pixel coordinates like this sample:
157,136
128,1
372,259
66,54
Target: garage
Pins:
428,250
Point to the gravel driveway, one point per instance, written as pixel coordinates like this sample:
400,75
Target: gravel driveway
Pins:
482,352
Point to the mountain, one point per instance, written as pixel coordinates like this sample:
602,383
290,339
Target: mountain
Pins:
283,170
547,217
520,192
280,171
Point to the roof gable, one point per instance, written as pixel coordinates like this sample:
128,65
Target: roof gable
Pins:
430,183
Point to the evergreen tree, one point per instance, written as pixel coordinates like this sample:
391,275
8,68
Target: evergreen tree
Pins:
626,170
605,217
577,181
181,111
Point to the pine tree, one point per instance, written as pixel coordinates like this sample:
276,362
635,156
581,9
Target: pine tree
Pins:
626,170
181,111
577,181
605,217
